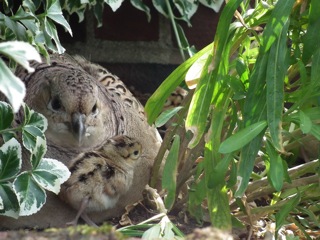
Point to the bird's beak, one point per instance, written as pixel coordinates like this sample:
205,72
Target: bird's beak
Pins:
78,126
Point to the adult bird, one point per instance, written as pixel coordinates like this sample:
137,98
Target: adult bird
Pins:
82,113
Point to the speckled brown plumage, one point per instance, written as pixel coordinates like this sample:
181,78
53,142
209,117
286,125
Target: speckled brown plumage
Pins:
82,114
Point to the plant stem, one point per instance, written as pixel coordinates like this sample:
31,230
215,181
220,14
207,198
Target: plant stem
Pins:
174,26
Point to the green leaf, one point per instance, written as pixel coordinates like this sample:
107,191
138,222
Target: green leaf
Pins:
219,208
275,173
305,122
98,13
213,4
16,27
169,178
38,152
315,131
286,209
155,103
166,116
114,4
29,136
10,159
10,204
217,177
47,180
30,195
11,86
51,31
186,8
152,233
54,12
200,104
35,119
242,138
6,115
311,40
254,112
21,52
277,69
275,24
50,174
161,7
138,4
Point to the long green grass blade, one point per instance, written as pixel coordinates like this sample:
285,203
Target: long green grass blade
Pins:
155,103
169,178
277,69
200,103
242,138
311,40
275,173
286,209
254,111
275,23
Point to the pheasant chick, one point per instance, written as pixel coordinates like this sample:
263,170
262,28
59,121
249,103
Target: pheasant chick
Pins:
98,178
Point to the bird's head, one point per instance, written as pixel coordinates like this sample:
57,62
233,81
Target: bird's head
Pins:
70,100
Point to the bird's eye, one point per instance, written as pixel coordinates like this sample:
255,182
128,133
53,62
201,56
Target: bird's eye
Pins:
94,110
55,104
136,153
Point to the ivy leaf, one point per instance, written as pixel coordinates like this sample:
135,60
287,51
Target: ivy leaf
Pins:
38,152
55,168
47,180
11,86
31,196
9,205
54,12
29,136
161,7
34,126
16,27
114,4
10,160
51,32
213,4
21,52
35,119
138,4
6,115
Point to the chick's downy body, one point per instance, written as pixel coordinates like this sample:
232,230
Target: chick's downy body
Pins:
98,178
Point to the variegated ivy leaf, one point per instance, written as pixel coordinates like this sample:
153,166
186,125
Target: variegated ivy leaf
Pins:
9,202
29,136
12,87
50,174
213,4
161,7
20,52
55,13
114,4
6,114
186,8
34,126
141,6
38,152
10,160
35,119
31,196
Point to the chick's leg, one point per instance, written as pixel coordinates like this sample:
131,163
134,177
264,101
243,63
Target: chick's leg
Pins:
84,204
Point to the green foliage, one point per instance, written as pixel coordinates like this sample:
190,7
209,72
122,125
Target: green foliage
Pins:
256,101
22,191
